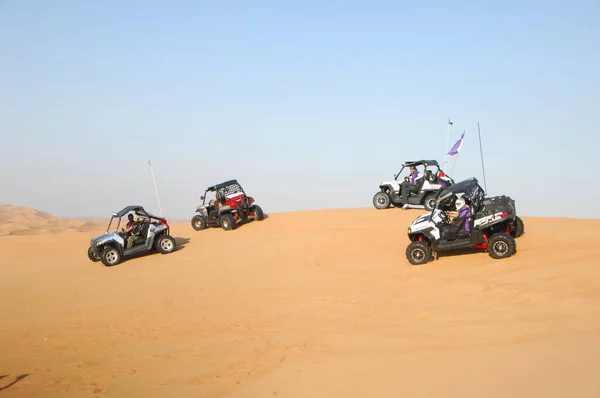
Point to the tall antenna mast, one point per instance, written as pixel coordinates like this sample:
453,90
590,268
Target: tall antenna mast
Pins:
481,152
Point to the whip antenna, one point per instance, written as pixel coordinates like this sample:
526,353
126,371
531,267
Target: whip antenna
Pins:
155,188
481,152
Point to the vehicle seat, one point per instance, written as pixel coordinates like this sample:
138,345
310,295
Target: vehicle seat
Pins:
417,187
137,228
144,230
432,178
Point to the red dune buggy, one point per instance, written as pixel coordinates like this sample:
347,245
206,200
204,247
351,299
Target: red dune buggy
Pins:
230,207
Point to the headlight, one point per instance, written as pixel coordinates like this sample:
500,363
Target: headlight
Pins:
98,243
409,230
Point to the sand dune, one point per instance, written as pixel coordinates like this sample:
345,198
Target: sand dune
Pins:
307,304
19,220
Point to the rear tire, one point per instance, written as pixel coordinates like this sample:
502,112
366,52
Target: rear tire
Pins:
418,253
518,228
93,256
258,213
227,222
501,246
429,202
198,223
382,200
110,256
165,244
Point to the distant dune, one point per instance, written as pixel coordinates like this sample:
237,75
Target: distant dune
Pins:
18,220
319,304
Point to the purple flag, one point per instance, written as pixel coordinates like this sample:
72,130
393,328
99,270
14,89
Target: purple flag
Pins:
456,148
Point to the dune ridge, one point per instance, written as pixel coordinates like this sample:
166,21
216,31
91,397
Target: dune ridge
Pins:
306,304
20,220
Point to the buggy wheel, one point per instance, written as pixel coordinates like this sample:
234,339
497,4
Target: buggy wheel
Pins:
257,212
518,228
227,222
429,202
165,244
501,245
198,223
110,256
418,253
93,255
382,200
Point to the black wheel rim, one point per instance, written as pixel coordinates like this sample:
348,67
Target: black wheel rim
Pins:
418,254
500,247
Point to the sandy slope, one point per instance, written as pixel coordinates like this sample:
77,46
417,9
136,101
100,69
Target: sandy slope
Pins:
308,304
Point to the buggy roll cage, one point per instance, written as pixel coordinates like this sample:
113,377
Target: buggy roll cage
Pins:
469,188
423,162
224,188
138,211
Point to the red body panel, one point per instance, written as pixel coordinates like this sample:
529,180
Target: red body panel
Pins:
234,201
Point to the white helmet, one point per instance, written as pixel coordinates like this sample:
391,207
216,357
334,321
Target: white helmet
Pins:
460,202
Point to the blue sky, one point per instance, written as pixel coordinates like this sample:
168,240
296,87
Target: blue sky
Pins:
309,104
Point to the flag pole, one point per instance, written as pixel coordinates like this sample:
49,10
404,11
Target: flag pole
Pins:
481,152
455,150
447,135
155,188
453,165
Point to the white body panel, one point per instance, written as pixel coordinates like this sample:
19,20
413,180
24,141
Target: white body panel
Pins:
393,183
426,221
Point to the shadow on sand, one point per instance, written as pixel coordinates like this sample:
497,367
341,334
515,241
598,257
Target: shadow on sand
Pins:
250,221
464,252
12,383
180,243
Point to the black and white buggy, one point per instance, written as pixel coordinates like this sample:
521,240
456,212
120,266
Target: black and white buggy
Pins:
150,233
229,208
494,226
427,187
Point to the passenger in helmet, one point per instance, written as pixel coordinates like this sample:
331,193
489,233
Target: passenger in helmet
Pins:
464,214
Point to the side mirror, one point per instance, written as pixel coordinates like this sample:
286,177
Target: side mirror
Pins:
202,197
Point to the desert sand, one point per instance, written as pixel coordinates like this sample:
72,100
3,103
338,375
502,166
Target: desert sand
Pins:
307,304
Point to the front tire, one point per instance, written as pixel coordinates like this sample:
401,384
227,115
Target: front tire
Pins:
198,223
227,222
418,253
165,244
110,256
93,255
257,212
382,200
501,246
